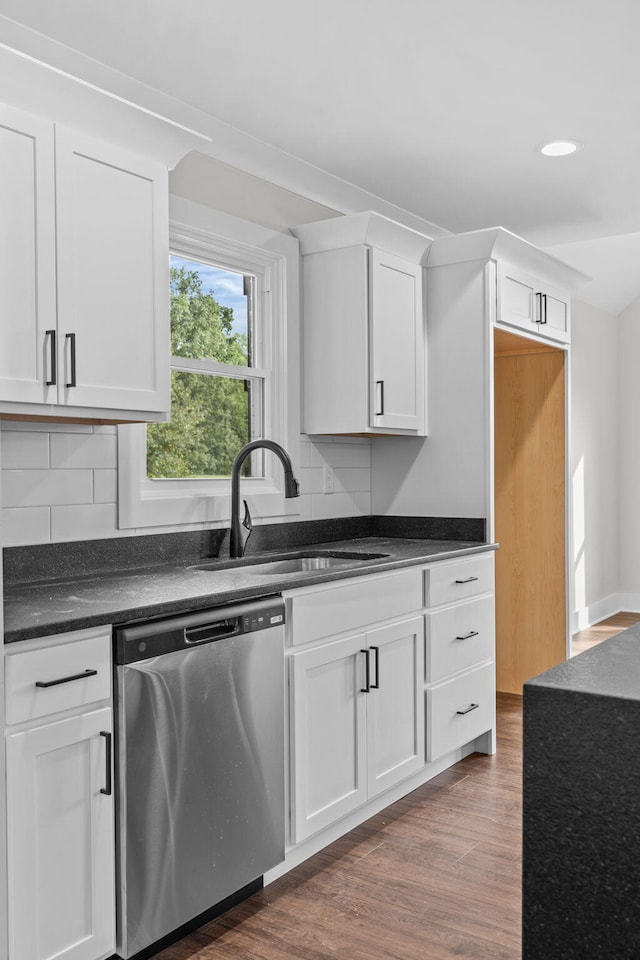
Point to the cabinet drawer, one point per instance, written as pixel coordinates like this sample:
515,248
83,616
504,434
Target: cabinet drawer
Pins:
459,637
450,722
459,579
338,608
57,664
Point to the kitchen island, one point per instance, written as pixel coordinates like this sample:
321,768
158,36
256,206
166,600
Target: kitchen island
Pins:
581,844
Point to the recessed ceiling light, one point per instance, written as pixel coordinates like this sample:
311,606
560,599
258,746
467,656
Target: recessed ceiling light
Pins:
560,148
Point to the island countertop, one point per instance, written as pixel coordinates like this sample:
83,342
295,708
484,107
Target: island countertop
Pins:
610,669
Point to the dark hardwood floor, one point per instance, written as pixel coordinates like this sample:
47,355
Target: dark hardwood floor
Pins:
434,876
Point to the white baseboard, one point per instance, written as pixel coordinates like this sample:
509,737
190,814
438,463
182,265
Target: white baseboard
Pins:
601,609
629,602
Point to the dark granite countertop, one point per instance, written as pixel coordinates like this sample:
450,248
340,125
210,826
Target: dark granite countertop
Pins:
610,669
47,607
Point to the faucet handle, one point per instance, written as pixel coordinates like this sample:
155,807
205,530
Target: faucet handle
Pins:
245,527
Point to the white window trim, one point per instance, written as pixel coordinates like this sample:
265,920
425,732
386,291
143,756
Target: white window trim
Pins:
195,232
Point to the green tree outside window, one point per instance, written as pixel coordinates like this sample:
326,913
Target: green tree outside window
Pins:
210,413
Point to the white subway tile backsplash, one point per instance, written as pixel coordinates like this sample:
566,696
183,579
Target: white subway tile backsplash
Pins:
34,488
105,486
362,455
336,505
59,482
311,479
304,454
22,450
336,454
352,479
98,450
93,521
27,525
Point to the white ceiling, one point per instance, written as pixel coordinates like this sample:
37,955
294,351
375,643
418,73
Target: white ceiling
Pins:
434,106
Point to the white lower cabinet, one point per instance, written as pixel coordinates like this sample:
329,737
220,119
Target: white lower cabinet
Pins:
357,713
391,679
60,814
460,709
61,839
460,653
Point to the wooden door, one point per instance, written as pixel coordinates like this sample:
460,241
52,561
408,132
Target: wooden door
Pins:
530,510
395,704
113,276
27,258
328,775
61,840
397,343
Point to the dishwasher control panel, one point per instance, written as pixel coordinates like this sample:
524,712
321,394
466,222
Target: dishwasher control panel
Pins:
157,637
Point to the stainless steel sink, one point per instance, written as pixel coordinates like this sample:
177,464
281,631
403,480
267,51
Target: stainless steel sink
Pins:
291,563
297,565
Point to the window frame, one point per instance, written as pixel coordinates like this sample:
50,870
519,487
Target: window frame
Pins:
273,259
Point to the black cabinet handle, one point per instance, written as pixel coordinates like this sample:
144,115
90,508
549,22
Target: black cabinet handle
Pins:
538,319
467,636
71,337
542,308
53,357
380,412
76,676
468,580
376,650
472,706
367,673
107,750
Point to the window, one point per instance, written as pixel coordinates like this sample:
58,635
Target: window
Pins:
234,293
217,384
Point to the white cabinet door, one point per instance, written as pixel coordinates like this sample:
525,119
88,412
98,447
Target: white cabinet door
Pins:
532,305
27,257
397,343
329,743
395,704
556,312
61,840
113,277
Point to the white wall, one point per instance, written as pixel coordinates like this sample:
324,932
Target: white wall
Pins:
629,454
595,375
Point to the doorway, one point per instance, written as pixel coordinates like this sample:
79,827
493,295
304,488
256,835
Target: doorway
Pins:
530,508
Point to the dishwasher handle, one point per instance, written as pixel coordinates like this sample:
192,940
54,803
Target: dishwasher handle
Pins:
219,630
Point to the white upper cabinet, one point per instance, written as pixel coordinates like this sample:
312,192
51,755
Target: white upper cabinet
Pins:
27,256
84,273
113,277
364,338
533,289
533,305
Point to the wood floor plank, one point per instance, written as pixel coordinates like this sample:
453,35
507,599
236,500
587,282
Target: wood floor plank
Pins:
588,638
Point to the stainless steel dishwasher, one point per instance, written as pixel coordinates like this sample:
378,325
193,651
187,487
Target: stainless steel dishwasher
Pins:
199,764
